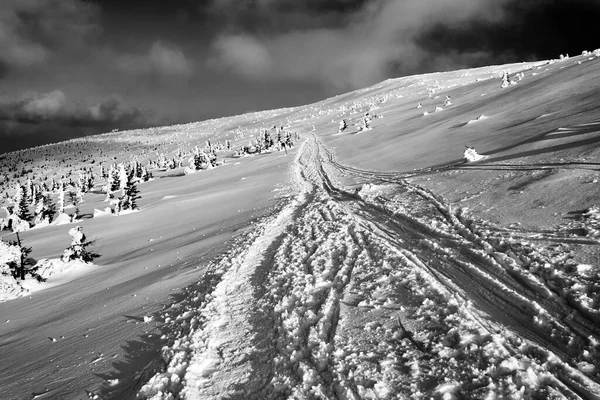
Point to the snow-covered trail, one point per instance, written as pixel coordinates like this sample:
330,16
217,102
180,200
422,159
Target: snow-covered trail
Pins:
386,292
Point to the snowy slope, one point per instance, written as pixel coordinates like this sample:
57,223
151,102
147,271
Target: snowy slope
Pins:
374,264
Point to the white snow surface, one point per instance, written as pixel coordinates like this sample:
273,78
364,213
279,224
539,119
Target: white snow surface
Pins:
371,266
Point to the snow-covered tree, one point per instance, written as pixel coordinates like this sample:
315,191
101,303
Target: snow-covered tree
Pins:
10,256
21,204
123,176
366,122
89,181
505,79
109,194
113,178
33,193
162,161
128,201
199,160
60,204
44,210
77,250
28,189
145,175
79,190
15,261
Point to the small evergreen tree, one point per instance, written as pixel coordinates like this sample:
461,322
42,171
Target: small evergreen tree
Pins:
33,194
73,198
45,210
79,191
113,178
77,250
60,205
145,175
81,186
28,189
123,177
21,204
130,196
21,260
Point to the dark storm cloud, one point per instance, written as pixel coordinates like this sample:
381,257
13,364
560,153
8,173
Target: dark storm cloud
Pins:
354,43
52,107
357,51
48,117
161,59
282,15
536,29
33,30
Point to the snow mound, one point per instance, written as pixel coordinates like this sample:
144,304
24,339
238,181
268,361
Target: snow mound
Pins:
480,118
102,213
62,219
471,155
373,190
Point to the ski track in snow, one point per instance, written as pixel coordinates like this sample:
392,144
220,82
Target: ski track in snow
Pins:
386,292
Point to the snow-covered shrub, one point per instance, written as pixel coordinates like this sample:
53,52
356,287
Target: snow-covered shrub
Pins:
9,253
14,261
78,248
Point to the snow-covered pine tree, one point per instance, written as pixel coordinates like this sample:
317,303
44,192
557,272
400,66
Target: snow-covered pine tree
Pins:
114,178
39,207
33,194
77,250
80,186
162,161
89,181
128,201
73,198
14,260
79,191
21,204
505,80
60,203
29,190
123,177
44,211
145,175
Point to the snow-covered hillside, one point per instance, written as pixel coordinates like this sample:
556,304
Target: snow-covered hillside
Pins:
371,262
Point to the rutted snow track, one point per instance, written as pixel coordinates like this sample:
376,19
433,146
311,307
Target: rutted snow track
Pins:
384,293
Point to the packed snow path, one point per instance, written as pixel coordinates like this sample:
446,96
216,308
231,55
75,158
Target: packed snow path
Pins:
384,292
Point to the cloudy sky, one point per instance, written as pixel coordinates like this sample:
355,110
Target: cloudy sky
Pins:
75,67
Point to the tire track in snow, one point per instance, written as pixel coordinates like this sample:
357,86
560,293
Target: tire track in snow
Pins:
502,279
